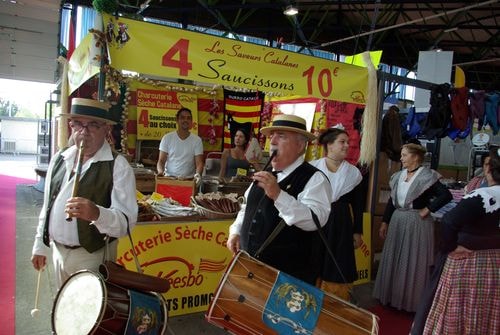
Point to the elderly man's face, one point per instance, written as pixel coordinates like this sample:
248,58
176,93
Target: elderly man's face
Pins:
92,133
290,146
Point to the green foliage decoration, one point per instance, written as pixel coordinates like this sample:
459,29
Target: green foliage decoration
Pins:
105,6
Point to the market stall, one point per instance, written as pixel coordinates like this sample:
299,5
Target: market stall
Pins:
189,250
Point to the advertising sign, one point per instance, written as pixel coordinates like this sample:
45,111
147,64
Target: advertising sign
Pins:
363,253
192,256
156,110
175,53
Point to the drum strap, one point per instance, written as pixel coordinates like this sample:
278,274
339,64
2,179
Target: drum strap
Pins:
271,237
136,260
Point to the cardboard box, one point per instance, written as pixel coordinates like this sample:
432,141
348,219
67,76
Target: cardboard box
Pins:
179,190
145,183
386,169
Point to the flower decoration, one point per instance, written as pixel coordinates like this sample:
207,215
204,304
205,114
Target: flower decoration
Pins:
105,6
317,130
214,114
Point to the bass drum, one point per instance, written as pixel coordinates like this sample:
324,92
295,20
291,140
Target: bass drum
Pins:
240,302
87,304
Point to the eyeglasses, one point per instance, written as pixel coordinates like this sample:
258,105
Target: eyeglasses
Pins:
90,126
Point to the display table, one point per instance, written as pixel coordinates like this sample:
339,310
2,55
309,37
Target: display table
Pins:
144,180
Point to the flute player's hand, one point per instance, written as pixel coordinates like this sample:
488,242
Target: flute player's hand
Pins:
268,182
82,208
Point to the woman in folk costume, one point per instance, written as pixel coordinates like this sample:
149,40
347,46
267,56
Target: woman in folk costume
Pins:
463,291
408,230
345,226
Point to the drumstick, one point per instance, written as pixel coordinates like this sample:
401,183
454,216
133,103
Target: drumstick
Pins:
35,311
77,175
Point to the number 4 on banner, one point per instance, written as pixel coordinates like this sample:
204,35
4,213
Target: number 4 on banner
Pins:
143,118
168,60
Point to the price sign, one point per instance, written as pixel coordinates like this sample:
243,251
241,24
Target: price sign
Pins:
175,53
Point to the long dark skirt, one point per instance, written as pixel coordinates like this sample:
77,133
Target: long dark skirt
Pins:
339,231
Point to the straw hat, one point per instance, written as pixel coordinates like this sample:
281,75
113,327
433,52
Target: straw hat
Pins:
288,122
90,109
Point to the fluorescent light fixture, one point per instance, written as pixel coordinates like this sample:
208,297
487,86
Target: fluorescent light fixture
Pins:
450,30
291,10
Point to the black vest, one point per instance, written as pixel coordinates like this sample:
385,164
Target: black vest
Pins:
293,250
95,185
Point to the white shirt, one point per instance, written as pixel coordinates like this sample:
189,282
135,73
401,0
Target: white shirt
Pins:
343,181
181,153
316,196
111,220
404,186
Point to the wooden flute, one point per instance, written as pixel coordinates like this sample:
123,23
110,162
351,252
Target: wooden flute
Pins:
78,171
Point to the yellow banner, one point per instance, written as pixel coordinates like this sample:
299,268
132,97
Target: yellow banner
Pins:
363,253
192,256
157,109
175,53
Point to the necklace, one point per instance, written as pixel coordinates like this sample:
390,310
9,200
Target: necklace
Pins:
415,169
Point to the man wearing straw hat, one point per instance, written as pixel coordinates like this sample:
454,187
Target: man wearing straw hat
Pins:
298,196
89,195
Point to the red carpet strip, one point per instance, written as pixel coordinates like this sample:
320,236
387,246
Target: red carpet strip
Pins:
393,321
8,251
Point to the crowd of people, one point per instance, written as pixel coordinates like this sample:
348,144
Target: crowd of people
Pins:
302,218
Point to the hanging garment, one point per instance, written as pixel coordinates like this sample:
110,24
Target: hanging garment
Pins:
439,113
454,133
459,108
413,124
391,139
490,111
477,107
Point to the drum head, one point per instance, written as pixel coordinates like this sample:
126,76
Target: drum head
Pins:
79,304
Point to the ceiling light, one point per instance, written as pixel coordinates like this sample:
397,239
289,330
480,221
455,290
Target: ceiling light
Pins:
291,10
450,30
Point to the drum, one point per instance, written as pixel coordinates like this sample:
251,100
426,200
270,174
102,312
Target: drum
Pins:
87,304
240,304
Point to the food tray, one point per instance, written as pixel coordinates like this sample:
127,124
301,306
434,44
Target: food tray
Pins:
210,214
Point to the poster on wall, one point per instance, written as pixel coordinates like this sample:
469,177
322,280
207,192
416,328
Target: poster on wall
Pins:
346,116
156,112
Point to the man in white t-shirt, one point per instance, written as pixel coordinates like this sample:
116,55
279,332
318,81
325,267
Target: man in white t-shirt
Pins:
181,153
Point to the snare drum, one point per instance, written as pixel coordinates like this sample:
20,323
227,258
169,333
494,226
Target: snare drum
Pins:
240,304
87,304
